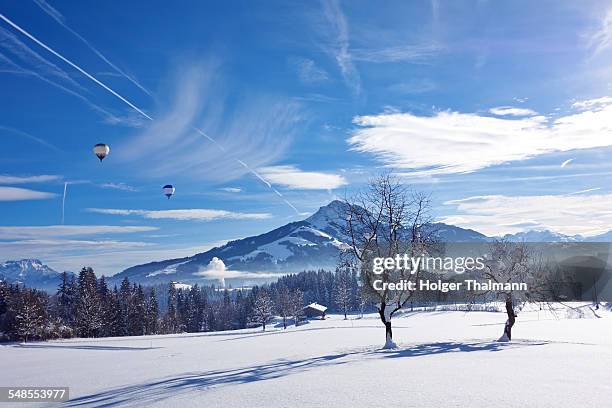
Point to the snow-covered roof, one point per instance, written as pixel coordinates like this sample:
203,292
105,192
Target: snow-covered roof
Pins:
178,285
316,306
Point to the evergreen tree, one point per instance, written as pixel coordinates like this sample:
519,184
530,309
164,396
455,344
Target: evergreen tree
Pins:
125,306
104,301
88,316
226,312
114,320
172,315
240,306
194,318
4,306
66,297
152,313
30,314
136,317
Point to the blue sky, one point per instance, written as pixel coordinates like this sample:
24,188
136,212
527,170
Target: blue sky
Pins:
503,112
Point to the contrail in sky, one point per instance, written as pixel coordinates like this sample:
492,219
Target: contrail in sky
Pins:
73,65
131,105
57,16
64,200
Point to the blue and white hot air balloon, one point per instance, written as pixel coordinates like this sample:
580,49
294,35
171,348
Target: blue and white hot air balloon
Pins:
168,190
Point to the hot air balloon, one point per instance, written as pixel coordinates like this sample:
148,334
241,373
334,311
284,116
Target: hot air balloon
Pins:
101,150
168,190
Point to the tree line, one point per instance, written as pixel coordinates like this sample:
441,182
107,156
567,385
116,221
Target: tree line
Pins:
85,306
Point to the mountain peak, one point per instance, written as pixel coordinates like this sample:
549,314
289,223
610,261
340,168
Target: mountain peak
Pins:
29,272
330,218
24,263
333,210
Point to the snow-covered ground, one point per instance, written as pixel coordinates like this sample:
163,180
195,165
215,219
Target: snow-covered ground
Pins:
444,359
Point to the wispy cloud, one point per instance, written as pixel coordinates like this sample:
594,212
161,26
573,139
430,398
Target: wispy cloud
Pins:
338,44
7,179
118,186
255,132
73,244
23,194
500,214
400,53
593,104
294,178
194,214
4,129
512,111
55,231
601,38
414,86
455,142
231,189
308,71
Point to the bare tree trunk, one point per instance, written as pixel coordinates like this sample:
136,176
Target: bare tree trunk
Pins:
507,336
388,330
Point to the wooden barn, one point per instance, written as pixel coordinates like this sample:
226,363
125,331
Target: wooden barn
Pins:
315,310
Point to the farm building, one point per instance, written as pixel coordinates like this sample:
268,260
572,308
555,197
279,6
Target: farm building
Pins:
315,310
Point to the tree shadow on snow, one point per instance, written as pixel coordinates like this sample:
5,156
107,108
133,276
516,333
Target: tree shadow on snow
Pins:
162,389
454,347
81,347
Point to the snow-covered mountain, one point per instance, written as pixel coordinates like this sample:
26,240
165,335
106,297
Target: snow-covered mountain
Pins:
30,273
542,236
551,236
313,243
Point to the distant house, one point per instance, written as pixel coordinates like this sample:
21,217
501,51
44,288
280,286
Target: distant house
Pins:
314,310
179,285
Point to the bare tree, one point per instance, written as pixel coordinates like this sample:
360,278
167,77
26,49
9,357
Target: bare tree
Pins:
343,291
510,265
262,308
297,305
383,221
284,304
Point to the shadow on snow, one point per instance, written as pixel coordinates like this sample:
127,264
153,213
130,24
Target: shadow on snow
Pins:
161,389
80,347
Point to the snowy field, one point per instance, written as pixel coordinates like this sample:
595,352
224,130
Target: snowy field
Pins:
444,359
